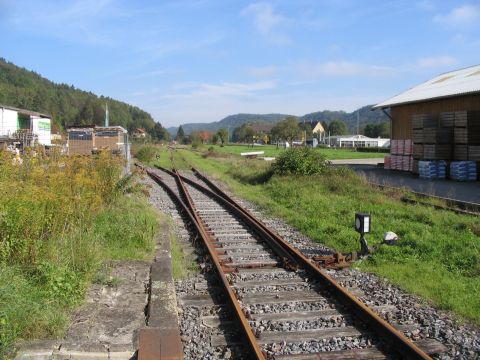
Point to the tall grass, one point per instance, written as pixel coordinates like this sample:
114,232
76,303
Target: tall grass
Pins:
60,219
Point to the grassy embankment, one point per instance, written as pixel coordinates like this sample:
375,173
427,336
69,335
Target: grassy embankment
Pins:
437,258
61,221
273,151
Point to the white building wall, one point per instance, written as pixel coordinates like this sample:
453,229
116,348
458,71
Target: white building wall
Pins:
42,128
9,122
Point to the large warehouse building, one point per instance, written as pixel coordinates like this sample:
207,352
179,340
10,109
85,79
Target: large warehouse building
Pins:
439,119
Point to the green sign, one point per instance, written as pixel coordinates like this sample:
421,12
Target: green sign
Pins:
44,125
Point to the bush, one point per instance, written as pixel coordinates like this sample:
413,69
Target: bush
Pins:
300,161
147,153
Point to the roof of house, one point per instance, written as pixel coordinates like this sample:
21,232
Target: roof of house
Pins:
95,127
356,138
140,130
318,124
459,82
26,112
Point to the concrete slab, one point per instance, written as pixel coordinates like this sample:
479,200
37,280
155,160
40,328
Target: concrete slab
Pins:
461,191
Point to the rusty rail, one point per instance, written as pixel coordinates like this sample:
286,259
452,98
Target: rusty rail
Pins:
403,345
189,210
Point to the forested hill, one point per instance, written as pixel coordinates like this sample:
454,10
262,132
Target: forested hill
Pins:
366,117
68,106
231,121
365,114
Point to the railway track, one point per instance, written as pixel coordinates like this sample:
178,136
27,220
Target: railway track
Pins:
284,305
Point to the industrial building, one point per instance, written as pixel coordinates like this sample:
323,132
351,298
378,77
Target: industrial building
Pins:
24,127
440,118
352,141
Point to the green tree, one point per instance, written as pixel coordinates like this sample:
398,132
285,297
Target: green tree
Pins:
337,127
180,135
287,130
223,135
377,130
275,135
249,136
160,133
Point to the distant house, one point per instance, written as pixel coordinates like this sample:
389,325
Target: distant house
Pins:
317,127
139,133
351,141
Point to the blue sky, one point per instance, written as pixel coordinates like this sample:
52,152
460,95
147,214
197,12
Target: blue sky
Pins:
200,60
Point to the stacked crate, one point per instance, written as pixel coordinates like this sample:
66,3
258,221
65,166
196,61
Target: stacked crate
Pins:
467,136
401,155
437,135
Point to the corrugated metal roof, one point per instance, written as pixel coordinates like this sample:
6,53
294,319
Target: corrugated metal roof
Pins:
458,82
26,112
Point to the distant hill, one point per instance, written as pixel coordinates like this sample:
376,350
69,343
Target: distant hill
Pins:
67,105
366,116
232,121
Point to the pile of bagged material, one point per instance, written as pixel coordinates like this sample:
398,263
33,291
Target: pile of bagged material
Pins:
463,170
432,169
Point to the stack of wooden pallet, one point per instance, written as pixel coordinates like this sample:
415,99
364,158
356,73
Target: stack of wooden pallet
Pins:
436,136
401,155
467,135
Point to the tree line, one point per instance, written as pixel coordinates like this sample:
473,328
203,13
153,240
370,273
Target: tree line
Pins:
286,130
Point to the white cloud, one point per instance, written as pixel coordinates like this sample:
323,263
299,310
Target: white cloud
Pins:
223,89
436,61
343,68
267,21
464,15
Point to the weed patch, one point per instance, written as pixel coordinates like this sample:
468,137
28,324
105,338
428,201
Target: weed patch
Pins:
60,219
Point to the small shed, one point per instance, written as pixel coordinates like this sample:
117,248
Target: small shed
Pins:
89,139
113,138
80,140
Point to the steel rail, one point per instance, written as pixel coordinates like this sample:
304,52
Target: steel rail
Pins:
405,346
189,209
287,259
